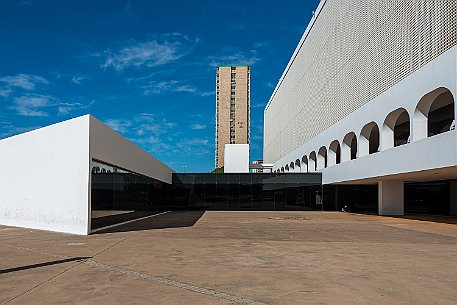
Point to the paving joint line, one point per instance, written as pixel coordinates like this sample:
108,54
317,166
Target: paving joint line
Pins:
79,262
136,274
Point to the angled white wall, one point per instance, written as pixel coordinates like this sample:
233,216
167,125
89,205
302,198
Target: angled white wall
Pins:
45,178
46,173
110,147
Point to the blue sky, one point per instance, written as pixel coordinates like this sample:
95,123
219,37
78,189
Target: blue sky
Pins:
146,68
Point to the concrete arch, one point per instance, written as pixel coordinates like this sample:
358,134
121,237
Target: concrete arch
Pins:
322,158
282,169
312,162
286,168
349,149
304,166
292,167
334,153
297,166
369,139
396,129
434,114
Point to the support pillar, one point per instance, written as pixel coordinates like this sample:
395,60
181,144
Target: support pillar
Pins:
453,197
391,198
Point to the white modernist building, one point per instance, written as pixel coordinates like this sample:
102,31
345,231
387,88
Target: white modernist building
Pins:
368,98
48,185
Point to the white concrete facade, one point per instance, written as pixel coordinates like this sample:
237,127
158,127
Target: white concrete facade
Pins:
381,133
420,154
236,158
351,52
48,182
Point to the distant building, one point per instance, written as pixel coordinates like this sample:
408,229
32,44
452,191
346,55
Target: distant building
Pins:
232,108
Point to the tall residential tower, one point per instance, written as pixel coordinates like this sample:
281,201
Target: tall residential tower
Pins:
232,108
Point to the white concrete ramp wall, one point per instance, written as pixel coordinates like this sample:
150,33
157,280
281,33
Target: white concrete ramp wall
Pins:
44,178
109,146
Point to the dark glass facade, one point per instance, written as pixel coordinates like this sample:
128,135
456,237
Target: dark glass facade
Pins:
428,198
119,195
250,192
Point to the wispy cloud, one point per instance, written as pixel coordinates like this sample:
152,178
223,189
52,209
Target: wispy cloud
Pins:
186,88
67,108
197,126
120,125
150,124
153,87
10,130
239,58
35,105
4,92
77,79
259,105
32,105
208,93
24,81
155,51
194,147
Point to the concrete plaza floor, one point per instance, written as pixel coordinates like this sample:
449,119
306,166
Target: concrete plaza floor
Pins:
236,258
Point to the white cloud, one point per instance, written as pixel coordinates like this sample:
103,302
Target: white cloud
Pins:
159,87
238,58
10,130
77,79
24,81
121,125
197,126
208,93
186,88
68,108
32,105
4,92
157,50
194,147
259,105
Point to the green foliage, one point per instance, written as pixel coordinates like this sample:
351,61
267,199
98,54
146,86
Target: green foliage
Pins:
219,170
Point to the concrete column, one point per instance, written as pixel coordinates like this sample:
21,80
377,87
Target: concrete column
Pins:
331,158
453,197
391,198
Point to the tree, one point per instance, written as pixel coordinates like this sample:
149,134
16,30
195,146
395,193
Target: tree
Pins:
219,170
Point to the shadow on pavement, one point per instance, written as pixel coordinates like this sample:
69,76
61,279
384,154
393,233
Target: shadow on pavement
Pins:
432,218
175,219
420,217
67,260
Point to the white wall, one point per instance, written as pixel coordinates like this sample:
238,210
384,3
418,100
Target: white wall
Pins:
352,52
109,146
45,178
429,153
46,173
236,158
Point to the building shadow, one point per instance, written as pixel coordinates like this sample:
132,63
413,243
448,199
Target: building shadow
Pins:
113,217
430,218
420,217
174,219
26,267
